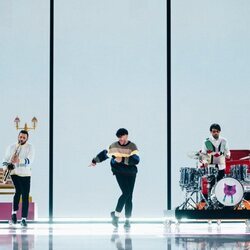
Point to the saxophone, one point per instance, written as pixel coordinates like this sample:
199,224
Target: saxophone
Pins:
10,165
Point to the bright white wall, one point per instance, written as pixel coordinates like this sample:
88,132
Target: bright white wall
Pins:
210,77
110,64
110,72
24,84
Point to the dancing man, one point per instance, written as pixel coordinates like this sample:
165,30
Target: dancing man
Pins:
124,158
17,161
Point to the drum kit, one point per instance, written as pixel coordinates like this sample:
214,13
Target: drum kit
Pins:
227,193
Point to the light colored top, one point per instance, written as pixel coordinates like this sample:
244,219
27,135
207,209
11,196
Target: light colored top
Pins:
26,156
214,151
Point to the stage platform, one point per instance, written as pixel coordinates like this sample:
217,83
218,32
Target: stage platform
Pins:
140,236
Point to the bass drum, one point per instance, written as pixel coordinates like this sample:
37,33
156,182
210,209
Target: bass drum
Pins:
228,192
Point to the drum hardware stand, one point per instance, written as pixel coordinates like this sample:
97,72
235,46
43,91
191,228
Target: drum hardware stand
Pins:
189,198
209,200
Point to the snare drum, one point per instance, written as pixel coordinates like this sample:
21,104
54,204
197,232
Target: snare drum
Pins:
228,192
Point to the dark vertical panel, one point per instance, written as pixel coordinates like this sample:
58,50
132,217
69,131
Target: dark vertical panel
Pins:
51,109
169,198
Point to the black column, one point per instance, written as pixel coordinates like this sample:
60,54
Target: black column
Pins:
169,197
51,108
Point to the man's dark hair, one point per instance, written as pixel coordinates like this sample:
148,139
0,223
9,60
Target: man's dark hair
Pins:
121,131
215,126
24,132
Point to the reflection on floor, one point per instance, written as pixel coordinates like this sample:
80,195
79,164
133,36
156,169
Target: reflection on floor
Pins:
140,236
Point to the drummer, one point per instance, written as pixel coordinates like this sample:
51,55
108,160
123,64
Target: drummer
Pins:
215,151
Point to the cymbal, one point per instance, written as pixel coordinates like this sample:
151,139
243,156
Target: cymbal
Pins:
245,158
194,155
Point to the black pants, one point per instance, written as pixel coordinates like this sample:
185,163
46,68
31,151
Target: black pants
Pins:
22,186
221,174
126,183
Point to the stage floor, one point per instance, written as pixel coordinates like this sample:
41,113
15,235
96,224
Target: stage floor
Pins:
140,236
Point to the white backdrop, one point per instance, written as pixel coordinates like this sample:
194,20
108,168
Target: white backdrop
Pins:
110,69
109,73
110,64
210,77
24,85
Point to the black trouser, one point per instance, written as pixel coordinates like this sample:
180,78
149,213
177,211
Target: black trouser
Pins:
126,183
22,186
221,174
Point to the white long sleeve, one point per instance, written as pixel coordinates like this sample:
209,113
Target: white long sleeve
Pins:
220,159
26,157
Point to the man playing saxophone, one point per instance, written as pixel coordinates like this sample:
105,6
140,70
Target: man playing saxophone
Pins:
17,161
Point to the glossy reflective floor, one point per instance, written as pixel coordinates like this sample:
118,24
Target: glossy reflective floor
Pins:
140,236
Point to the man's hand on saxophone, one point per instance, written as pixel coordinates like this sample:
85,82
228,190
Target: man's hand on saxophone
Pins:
15,159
